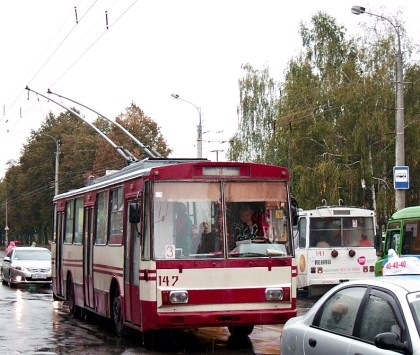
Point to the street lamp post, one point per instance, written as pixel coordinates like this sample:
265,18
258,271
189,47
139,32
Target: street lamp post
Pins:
217,153
199,127
6,229
57,156
399,109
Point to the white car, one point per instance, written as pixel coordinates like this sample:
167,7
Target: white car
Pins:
27,265
374,316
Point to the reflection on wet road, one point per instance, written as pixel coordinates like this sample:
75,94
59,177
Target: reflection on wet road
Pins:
33,323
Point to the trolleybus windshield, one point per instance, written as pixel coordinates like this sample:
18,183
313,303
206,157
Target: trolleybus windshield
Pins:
207,219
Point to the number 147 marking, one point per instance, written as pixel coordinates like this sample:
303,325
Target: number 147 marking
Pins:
164,280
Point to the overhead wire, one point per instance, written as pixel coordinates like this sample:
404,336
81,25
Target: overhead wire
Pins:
61,43
52,54
97,39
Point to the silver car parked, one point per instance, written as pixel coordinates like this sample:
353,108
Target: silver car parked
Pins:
27,265
379,315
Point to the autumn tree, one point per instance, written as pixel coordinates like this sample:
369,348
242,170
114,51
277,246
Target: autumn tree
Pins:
30,183
140,126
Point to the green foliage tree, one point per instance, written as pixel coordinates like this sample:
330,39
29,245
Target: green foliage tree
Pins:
338,96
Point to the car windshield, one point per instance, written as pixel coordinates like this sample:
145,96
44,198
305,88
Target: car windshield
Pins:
32,255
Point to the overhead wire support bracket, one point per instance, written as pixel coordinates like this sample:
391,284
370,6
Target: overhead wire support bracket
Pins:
128,157
152,153
75,12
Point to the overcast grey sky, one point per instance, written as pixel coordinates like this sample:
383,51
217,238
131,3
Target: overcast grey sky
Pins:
194,48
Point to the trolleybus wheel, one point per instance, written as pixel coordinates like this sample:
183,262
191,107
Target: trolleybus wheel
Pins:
75,310
117,313
241,331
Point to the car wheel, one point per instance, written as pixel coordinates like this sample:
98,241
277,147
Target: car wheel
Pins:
3,279
117,313
9,283
75,310
9,279
241,331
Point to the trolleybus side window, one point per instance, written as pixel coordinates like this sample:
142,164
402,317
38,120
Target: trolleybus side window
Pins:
302,232
116,210
411,240
101,220
68,238
78,221
342,231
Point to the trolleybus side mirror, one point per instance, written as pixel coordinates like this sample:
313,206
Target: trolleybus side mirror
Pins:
134,215
295,216
378,241
295,211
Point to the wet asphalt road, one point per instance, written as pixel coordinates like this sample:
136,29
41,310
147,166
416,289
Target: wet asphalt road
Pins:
31,322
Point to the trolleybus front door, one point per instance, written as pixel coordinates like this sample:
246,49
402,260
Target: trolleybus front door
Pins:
59,255
131,274
88,258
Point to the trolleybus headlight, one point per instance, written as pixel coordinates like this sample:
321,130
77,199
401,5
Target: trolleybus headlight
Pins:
274,294
178,296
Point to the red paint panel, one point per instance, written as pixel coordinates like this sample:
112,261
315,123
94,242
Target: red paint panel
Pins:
102,303
211,319
70,264
109,267
247,170
223,296
108,270
105,272
223,263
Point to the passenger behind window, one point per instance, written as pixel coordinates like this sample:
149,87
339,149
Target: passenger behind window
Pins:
209,242
322,242
364,242
336,239
183,226
247,228
195,239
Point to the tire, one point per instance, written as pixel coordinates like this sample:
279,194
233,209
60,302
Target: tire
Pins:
241,331
9,280
117,316
75,310
3,281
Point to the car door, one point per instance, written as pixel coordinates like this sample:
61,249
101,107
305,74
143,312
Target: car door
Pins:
349,320
333,325
380,314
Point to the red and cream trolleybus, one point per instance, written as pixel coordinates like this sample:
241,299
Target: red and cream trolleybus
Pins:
164,244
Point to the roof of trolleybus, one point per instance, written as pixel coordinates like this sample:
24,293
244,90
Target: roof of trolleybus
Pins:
408,212
183,169
342,211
